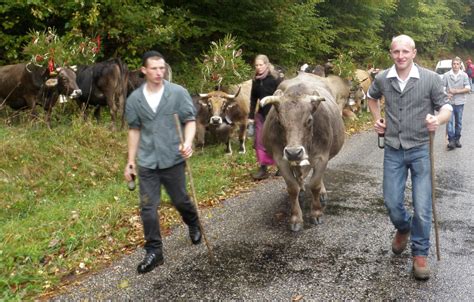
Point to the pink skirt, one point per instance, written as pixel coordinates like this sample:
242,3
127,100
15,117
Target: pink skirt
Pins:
263,158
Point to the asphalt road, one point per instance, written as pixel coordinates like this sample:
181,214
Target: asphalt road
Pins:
348,257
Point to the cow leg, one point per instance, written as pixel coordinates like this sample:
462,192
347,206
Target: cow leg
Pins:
113,116
296,219
97,113
200,135
293,189
242,136
318,191
228,148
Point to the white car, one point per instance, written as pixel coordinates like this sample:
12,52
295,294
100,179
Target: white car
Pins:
445,65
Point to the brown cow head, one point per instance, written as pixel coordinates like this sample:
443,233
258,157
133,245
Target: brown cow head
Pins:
295,115
216,103
356,95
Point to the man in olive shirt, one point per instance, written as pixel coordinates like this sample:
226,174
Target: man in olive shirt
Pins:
153,139
412,94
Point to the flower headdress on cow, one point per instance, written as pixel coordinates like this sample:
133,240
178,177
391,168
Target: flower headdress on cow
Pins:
48,49
223,65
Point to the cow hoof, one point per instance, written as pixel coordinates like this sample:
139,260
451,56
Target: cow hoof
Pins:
316,220
296,227
242,152
323,198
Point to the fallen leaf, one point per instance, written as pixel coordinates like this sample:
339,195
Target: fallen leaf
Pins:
297,298
123,284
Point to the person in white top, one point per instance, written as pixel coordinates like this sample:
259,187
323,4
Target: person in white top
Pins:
456,84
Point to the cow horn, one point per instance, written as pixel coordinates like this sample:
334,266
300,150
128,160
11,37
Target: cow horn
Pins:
73,68
271,99
230,96
203,95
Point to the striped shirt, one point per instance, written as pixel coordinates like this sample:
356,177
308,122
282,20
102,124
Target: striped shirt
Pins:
406,109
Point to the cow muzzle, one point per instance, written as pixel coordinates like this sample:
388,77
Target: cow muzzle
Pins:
215,120
297,156
75,93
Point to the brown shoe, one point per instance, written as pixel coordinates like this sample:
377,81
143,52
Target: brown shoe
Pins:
399,242
421,269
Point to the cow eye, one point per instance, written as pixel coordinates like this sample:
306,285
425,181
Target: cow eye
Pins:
309,121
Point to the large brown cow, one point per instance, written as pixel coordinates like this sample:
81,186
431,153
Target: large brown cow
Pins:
24,86
104,84
303,131
226,111
344,95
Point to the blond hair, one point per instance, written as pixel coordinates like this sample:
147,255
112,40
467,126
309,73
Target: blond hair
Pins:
403,39
265,60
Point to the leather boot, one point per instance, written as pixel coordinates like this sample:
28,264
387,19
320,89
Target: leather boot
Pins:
399,242
262,173
421,270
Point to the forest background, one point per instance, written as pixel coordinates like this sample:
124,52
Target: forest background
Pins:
290,32
65,210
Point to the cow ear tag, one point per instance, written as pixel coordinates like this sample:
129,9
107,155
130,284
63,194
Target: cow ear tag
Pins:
52,82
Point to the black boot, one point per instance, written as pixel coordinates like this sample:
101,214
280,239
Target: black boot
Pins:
262,173
150,261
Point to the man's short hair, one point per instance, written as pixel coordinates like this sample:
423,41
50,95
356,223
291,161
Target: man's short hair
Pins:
151,54
457,59
403,39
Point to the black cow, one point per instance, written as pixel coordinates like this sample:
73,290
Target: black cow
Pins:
23,85
104,84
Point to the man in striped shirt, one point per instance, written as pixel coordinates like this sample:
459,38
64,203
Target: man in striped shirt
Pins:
412,95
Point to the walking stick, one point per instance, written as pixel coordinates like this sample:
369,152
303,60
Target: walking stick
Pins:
433,203
191,182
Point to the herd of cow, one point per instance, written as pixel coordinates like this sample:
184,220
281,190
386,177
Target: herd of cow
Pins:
303,131
104,84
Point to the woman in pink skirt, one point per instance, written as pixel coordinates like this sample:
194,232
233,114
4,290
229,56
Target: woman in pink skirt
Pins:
264,83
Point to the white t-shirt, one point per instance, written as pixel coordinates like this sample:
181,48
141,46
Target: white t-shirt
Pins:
153,98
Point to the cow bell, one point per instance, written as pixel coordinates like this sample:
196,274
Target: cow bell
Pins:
51,82
304,162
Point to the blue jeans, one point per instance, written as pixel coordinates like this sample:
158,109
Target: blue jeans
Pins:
397,163
454,126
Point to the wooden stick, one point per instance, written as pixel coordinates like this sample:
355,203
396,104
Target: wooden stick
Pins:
433,186
191,182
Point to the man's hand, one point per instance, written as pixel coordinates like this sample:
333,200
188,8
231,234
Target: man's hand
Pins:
380,126
129,172
186,150
432,122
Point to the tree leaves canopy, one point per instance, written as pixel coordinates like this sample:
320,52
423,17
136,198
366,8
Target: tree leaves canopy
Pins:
290,32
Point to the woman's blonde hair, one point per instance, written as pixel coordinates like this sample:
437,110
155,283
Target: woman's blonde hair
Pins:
265,60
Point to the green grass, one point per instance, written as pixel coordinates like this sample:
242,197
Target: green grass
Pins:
64,206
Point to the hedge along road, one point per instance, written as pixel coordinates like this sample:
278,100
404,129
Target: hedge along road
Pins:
349,256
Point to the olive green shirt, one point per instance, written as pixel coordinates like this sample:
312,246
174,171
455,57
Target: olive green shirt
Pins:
159,140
